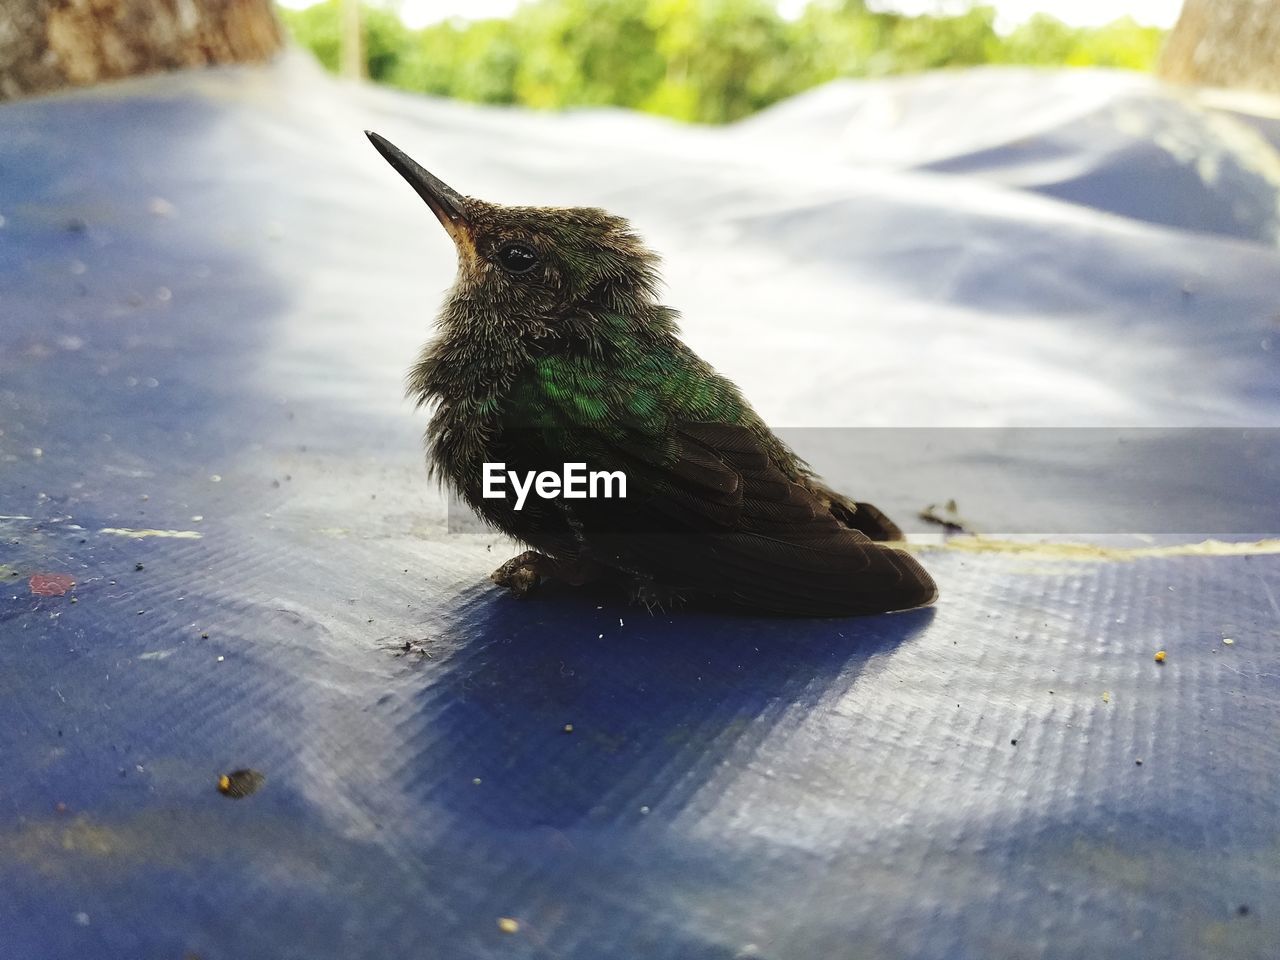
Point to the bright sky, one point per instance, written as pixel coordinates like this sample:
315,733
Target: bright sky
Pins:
1161,13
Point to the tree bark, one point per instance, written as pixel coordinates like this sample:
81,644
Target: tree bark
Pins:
1225,43
50,44
351,51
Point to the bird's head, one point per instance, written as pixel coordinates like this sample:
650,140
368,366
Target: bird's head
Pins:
536,273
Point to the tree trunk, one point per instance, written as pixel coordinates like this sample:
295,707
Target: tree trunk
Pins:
351,51
1225,43
50,44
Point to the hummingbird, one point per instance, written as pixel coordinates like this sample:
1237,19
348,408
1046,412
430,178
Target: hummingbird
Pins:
552,348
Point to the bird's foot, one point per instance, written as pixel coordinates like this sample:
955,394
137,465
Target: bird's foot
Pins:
654,597
523,574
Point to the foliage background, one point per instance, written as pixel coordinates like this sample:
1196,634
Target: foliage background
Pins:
708,61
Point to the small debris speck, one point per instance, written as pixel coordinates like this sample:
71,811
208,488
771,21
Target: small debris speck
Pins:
138,566
508,925
81,919
240,783
1013,742
220,659
644,810
1160,655
1106,696
476,781
1242,910
160,207
1228,641
1138,762
204,636
568,728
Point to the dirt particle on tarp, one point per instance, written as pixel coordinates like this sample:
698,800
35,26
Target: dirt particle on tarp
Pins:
138,534
946,516
241,783
51,584
160,207
1160,656
508,925
406,646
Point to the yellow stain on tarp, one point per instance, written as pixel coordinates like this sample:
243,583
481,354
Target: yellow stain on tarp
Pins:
37,843
1072,552
140,534
62,847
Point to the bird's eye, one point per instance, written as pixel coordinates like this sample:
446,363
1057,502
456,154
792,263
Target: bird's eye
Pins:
517,258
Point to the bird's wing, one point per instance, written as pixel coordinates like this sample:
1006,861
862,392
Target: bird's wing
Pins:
709,511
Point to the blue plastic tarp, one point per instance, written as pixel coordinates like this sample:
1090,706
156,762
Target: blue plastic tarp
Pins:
219,549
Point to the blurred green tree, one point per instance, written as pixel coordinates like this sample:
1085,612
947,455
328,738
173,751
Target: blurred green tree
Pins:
1042,41
927,43
724,59
1122,43
318,28
478,61
707,61
586,52
841,38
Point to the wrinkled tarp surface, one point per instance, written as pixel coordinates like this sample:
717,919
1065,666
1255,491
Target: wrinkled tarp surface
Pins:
210,290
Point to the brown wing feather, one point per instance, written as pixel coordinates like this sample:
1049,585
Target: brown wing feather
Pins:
718,517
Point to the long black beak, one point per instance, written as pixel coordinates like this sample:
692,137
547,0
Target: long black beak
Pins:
445,202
